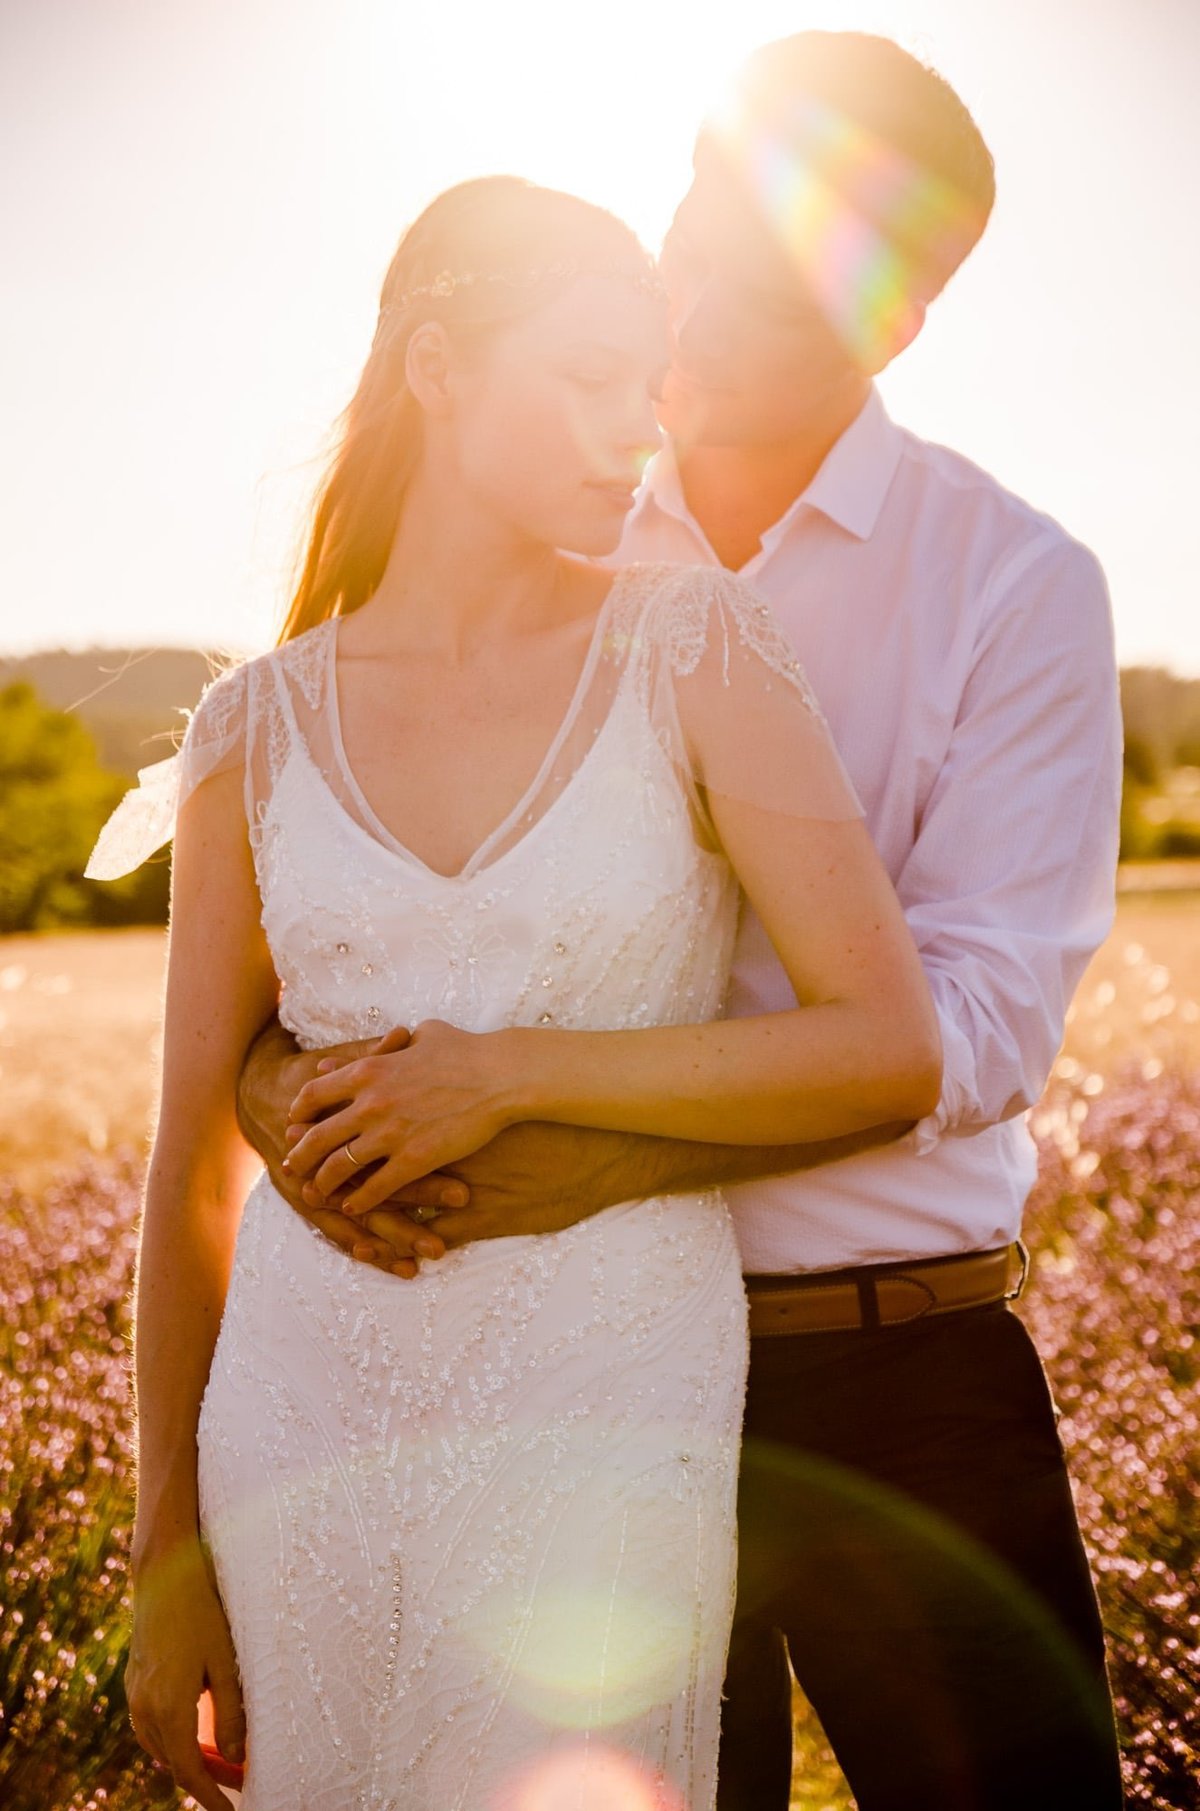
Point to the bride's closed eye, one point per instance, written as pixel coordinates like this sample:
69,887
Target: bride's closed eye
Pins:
594,383
590,382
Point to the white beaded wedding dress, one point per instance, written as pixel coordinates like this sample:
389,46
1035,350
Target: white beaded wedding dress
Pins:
475,1533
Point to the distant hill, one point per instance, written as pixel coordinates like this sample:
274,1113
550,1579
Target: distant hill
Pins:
131,699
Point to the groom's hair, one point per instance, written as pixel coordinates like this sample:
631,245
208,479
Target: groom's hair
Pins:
869,87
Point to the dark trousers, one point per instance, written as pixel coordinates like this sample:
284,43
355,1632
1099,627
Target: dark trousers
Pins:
906,1528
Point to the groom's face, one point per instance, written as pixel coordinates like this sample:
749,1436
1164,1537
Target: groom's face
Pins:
754,352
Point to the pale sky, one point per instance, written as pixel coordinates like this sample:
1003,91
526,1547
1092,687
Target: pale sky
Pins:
198,199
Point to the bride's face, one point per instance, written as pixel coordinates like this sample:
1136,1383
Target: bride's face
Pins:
554,421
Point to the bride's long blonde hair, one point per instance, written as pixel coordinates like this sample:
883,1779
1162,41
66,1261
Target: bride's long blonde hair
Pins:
514,243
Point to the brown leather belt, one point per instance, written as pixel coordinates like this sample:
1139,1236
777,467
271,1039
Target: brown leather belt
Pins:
883,1295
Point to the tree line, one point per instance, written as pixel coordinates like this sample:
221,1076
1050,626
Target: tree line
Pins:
62,770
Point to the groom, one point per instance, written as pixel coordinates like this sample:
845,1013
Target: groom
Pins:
907,1532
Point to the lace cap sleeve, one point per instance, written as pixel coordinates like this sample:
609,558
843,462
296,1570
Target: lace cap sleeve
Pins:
746,714
144,820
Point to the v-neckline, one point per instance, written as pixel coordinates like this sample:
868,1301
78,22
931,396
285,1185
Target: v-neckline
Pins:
478,859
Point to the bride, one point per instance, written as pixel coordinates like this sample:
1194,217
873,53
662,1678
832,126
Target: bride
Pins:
466,1543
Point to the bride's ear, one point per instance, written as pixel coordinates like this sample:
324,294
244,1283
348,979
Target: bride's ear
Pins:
428,365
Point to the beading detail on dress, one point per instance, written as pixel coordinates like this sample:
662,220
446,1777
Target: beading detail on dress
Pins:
684,609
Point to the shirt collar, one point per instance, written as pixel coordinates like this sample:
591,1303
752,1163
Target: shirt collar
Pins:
849,488
856,474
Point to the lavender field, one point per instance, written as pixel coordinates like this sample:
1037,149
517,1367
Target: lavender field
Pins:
1114,1304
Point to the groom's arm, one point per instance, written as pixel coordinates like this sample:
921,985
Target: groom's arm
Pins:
531,1179
1010,886
534,1178
538,1178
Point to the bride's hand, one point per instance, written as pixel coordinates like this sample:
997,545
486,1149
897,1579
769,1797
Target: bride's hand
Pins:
403,1113
180,1646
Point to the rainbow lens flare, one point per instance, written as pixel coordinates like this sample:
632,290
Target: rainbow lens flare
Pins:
872,234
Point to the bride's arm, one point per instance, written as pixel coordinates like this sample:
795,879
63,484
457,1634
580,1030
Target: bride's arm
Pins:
220,988
861,1049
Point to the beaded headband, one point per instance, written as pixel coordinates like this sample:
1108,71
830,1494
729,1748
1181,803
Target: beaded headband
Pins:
447,282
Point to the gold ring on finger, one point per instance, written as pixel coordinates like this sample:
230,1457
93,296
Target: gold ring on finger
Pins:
357,1162
421,1213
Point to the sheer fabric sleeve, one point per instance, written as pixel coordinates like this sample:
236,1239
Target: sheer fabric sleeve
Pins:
746,721
214,741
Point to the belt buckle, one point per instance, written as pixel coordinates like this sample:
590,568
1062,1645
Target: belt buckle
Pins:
1014,1294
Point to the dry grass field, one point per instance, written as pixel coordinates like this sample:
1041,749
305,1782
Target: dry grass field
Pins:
80,1016
1139,1000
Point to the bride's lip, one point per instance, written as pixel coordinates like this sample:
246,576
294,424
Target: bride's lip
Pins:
692,382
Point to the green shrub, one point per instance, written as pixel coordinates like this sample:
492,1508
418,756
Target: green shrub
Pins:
54,796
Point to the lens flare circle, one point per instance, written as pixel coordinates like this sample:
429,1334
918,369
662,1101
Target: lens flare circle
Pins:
587,1657
588,1778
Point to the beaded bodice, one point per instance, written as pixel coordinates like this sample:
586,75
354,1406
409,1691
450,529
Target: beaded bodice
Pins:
603,912
602,900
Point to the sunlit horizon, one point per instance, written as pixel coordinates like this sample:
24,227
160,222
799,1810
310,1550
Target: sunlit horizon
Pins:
199,205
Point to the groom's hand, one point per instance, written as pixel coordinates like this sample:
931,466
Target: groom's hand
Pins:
533,1178
272,1075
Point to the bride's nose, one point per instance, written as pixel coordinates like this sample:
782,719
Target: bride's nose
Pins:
644,436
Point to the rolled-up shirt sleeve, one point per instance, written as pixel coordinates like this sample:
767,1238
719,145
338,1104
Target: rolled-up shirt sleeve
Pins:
1010,885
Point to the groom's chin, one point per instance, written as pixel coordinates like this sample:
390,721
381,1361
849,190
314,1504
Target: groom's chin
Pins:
690,418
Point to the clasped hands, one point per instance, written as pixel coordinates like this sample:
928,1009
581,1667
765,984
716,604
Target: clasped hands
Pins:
530,1178
362,1130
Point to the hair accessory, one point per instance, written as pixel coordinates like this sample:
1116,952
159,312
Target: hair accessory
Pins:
447,282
